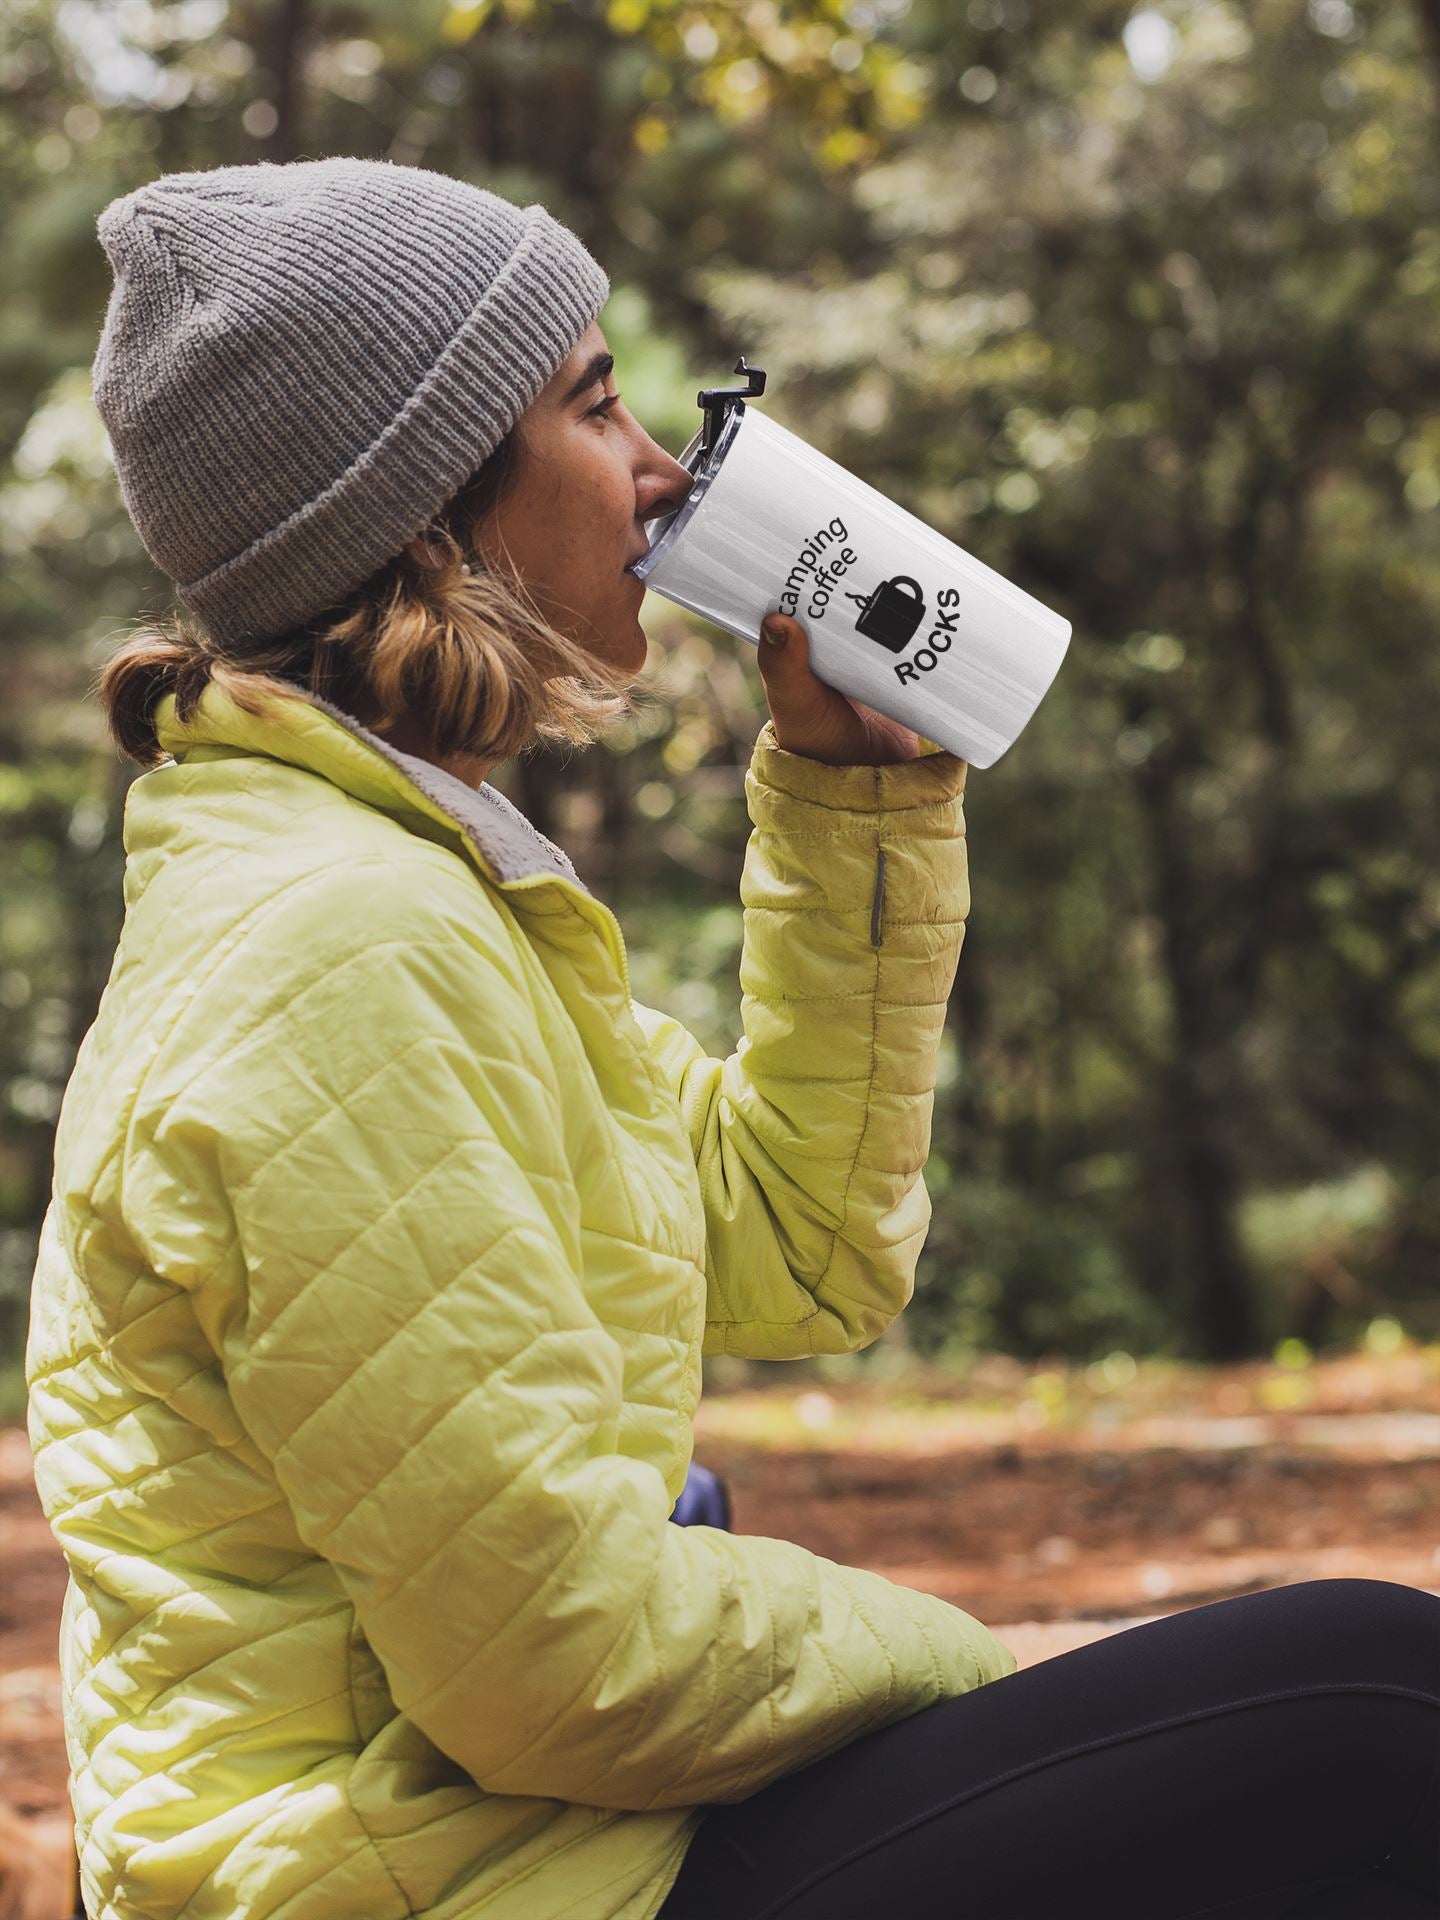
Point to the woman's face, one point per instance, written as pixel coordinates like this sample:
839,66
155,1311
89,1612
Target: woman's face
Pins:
576,517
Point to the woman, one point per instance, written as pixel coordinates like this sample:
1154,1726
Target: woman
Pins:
388,1231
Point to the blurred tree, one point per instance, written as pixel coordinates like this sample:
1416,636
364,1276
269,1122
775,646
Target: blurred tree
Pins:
1172,293
1137,305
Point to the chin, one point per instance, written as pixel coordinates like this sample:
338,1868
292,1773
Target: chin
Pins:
639,650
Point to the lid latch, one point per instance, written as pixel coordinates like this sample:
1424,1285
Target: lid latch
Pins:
715,400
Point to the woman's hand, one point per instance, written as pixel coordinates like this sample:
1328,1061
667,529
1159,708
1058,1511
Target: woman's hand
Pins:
814,719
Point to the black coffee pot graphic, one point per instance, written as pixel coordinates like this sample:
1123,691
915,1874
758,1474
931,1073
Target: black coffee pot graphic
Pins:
891,614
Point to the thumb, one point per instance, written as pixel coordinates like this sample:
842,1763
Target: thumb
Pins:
783,657
809,716
783,646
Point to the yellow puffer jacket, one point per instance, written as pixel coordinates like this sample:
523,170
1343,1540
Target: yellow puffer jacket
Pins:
386,1237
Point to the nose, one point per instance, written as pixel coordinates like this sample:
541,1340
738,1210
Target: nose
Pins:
663,485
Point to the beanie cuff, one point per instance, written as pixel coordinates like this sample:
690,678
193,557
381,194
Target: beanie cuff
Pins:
546,295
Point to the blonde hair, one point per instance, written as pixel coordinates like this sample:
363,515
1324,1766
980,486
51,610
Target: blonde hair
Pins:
468,652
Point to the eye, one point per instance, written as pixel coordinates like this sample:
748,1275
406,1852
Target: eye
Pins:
604,406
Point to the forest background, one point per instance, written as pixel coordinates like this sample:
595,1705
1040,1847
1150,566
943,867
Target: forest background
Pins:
1136,304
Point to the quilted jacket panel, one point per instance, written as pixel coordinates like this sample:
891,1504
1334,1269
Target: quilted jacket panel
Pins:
386,1235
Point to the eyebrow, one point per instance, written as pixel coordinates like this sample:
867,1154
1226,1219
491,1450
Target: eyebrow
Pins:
602,364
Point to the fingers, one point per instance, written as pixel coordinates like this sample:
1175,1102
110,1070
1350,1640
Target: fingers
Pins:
810,717
814,718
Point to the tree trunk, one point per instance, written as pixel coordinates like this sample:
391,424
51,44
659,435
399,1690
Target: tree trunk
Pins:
1429,12
1198,1099
283,60
616,820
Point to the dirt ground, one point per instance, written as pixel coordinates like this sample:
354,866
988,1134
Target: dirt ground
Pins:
1052,1495
1055,1503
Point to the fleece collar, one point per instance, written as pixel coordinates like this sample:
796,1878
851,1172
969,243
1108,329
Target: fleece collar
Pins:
308,731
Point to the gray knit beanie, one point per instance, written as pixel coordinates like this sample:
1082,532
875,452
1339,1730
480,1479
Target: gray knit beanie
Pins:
301,363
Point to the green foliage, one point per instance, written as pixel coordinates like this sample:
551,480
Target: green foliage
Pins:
1005,1271
1138,307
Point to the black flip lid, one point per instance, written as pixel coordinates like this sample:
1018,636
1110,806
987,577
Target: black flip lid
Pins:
716,399
704,456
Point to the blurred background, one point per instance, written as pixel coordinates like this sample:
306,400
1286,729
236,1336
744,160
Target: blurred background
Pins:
1136,304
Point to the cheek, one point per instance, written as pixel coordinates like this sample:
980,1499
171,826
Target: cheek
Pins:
585,530
604,522
612,461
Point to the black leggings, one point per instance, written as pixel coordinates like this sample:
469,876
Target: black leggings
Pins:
1273,1755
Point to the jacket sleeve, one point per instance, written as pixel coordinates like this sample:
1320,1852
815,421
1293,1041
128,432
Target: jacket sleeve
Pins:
417,1359
812,1136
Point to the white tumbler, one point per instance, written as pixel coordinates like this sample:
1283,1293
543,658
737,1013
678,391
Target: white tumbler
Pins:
898,616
